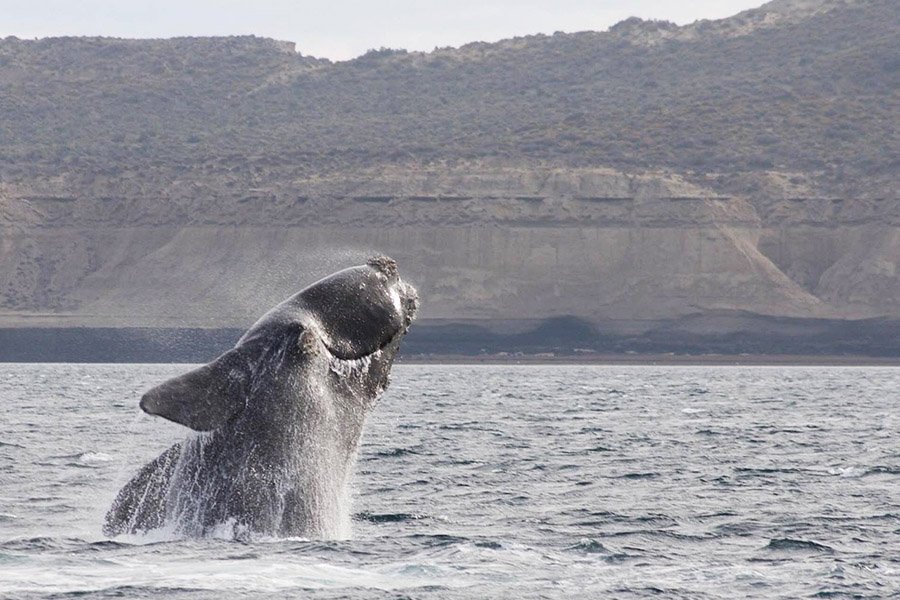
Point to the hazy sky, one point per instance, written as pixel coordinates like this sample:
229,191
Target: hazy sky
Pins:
341,29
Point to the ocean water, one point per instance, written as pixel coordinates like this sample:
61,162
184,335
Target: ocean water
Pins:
494,482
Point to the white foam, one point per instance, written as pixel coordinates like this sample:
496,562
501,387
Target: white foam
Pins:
92,458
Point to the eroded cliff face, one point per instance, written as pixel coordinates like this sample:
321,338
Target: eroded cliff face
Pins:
481,242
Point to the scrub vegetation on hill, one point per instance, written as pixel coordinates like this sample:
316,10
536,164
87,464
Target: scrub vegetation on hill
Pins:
782,87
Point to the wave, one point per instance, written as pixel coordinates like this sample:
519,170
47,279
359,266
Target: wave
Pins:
388,517
795,545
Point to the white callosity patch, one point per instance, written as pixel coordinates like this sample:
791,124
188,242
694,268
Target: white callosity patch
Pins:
350,368
395,298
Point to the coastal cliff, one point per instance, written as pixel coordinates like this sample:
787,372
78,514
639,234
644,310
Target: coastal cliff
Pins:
627,179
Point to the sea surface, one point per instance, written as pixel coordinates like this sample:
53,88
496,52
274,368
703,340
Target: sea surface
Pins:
493,482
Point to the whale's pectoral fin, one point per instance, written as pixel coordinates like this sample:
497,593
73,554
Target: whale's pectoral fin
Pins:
205,398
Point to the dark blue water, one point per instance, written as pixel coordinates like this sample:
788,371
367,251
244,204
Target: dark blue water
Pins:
486,482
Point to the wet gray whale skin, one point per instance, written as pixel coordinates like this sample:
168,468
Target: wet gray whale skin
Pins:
281,416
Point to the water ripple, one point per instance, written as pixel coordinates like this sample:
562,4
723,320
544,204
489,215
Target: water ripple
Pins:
514,482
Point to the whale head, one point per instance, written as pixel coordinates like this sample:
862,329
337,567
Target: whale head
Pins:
356,312
342,331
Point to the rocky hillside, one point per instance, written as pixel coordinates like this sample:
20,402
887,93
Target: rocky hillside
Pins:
644,174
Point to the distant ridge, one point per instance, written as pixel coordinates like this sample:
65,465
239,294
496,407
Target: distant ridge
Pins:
806,85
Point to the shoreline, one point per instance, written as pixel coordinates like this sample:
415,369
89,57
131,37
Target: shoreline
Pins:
749,360
439,345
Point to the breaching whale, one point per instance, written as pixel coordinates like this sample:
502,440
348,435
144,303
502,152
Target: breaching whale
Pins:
279,416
